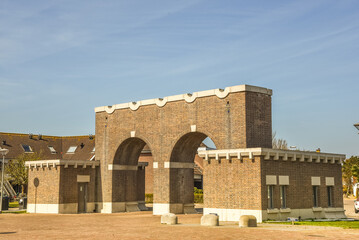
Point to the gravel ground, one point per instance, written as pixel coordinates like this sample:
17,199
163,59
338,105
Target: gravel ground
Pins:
143,225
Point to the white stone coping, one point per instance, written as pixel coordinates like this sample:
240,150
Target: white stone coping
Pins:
178,165
58,162
189,98
141,165
275,154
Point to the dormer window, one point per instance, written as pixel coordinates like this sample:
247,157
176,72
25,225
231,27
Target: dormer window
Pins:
72,149
52,149
27,148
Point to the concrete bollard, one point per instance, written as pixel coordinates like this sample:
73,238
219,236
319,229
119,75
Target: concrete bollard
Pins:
247,221
169,219
210,220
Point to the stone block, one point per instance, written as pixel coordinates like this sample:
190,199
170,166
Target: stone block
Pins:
169,219
247,221
189,209
132,207
210,220
142,206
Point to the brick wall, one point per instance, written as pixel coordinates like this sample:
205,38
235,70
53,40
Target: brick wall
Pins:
300,189
232,184
149,172
225,121
49,186
69,187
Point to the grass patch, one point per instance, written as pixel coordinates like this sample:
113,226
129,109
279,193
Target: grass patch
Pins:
13,204
16,212
341,224
198,198
149,197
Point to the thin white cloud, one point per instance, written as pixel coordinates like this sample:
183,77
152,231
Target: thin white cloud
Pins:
75,26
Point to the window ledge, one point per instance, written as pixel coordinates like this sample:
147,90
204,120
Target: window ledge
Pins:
317,209
273,210
333,209
285,210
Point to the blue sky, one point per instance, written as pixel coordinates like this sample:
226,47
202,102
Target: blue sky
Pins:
60,59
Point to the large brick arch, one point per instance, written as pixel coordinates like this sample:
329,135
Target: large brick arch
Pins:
129,151
235,117
126,184
181,171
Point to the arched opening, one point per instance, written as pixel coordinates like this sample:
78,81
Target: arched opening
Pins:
186,167
128,177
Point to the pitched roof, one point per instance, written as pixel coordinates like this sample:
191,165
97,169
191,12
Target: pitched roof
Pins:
16,142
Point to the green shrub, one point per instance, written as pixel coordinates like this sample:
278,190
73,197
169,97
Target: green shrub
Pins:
198,191
198,198
149,197
13,204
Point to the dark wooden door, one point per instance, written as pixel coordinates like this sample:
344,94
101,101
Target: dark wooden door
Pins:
82,197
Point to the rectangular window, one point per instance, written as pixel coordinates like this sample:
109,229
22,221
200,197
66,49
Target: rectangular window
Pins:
330,196
283,196
93,150
72,149
52,149
315,196
26,148
270,196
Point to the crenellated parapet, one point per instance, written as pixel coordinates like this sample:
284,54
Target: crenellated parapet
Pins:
59,162
273,154
189,98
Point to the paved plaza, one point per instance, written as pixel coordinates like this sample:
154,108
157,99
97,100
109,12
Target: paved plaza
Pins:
143,225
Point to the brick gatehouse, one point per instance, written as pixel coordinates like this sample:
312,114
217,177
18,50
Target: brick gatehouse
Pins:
244,175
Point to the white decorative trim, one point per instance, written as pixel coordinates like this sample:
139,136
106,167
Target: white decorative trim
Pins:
161,101
112,167
133,133
315,181
233,214
161,208
134,105
155,164
268,153
106,207
63,208
42,208
113,207
329,181
193,128
271,180
59,162
283,180
222,93
189,98
83,178
178,165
